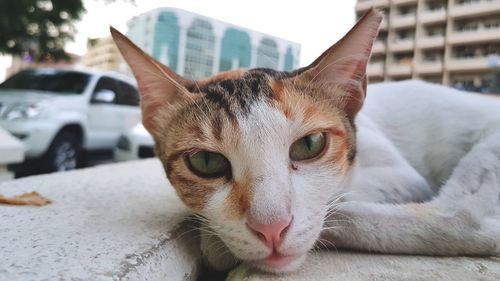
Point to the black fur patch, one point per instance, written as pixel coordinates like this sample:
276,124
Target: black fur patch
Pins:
237,95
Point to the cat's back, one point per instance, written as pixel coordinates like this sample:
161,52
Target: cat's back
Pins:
433,126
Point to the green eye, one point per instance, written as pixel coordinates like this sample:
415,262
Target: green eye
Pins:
208,164
308,147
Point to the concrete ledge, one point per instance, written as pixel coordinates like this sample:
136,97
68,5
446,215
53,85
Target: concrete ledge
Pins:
11,151
114,222
124,222
341,266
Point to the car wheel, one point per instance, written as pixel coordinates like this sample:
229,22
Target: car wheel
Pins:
63,154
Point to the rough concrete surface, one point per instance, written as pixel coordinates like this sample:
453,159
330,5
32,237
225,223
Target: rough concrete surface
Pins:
114,222
337,266
123,222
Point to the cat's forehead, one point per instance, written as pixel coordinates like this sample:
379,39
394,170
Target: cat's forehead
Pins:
236,91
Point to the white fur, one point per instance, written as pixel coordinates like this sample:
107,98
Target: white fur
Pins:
417,142
452,139
263,153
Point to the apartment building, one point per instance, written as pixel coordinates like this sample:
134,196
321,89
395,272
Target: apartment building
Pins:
103,54
451,42
197,46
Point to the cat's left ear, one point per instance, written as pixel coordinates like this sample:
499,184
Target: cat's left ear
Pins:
159,86
343,66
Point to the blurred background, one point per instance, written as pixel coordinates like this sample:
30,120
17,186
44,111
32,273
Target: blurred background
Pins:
68,100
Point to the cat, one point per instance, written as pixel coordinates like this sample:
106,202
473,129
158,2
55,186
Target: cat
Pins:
276,163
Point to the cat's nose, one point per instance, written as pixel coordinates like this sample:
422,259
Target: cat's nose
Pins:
271,234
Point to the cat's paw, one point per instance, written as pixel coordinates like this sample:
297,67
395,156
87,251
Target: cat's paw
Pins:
215,253
460,233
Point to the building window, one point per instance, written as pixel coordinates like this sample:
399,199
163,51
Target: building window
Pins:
433,56
166,39
200,46
235,50
404,34
267,54
289,59
435,30
403,58
433,5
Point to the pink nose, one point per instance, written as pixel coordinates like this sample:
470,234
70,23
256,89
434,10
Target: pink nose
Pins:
271,234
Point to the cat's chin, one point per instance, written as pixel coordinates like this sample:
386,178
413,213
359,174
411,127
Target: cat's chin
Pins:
279,264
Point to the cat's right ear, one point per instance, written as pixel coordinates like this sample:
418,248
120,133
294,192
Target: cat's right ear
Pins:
343,65
159,86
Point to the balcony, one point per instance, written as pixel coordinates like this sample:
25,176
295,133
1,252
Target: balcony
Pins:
403,21
401,45
367,4
378,47
399,2
428,16
429,42
429,67
375,69
465,64
475,8
384,24
399,69
479,35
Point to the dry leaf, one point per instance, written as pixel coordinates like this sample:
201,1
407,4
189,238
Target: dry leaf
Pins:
30,198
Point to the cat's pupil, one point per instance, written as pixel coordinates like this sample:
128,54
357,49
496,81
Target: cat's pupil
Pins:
208,164
308,141
308,147
206,157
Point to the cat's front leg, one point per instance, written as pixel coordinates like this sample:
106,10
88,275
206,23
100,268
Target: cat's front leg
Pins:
406,229
461,220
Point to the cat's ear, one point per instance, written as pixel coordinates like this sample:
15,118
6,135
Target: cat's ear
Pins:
159,86
343,65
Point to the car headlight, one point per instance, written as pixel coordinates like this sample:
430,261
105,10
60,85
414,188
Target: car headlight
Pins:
22,111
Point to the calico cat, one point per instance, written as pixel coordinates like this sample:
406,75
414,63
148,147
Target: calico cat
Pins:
274,163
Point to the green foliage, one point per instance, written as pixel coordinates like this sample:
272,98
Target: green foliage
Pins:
38,28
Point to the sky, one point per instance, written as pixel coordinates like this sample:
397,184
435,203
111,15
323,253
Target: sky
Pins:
315,24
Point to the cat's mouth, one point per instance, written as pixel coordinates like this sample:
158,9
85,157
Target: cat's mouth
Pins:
277,262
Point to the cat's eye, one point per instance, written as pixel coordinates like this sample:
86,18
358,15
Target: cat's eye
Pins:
208,164
308,147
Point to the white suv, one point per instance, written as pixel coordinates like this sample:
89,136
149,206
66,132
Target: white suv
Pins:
58,114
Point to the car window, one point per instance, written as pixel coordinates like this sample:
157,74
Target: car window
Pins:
106,83
127,94
48,80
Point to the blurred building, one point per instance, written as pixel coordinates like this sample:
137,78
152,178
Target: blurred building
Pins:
197,46
20,63
102,53
453,42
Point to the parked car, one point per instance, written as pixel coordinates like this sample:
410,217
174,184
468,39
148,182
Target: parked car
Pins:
60,114
135,143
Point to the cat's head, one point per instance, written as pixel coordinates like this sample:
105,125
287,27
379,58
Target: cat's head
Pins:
259,153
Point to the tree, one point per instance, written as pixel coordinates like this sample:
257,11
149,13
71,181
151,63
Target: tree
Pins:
38,29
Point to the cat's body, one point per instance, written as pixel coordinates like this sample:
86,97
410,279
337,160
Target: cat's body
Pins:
432,126
440,133
269,161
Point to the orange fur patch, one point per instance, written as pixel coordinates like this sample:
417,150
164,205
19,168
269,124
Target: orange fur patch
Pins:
238,201
341,152
277,88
